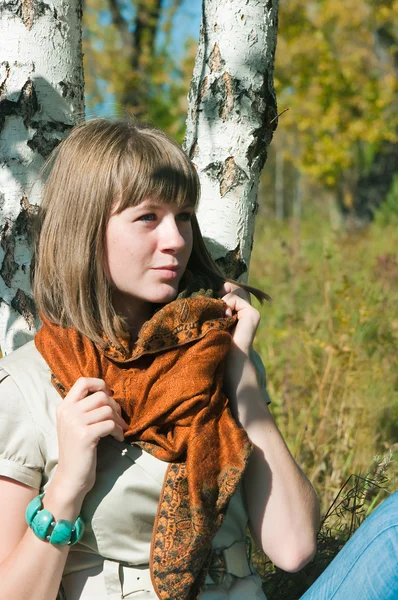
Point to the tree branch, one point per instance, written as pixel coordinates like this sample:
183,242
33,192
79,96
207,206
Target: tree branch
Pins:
146,24
121,24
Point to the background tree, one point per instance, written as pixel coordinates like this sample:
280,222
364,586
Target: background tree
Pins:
231,117
41,97
336,72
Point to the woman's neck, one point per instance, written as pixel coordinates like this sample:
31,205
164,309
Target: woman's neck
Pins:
134,312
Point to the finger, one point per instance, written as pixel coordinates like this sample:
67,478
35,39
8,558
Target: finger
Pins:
85,386
101,400
230,287
225,289
117,408
238,291
243,309
103,413
233,288
104,428
235,301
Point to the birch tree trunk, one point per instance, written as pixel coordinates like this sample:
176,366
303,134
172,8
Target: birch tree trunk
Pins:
231,119
41,98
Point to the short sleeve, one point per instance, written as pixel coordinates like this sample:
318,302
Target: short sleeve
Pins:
261,374
20,455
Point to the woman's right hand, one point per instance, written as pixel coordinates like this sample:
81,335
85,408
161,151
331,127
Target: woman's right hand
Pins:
30,568
87,413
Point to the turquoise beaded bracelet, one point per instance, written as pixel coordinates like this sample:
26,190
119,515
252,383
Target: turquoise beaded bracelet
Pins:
44,526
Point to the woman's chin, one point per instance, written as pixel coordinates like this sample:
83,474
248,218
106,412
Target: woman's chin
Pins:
165,295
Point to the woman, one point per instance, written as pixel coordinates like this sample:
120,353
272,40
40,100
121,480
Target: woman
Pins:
118,238
116,414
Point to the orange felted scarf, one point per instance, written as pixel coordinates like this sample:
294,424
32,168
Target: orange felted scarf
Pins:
170,387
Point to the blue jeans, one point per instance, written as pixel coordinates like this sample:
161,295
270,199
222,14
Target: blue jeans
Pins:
367,566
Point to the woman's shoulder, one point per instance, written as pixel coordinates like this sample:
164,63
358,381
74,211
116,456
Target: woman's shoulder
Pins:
21,456
27,368
27,358
26,378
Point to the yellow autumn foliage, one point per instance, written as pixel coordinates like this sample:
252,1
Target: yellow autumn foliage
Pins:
337,79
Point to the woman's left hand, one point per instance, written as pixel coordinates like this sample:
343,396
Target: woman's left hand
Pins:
238,302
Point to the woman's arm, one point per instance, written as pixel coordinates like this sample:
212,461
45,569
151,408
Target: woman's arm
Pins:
31,569
282,504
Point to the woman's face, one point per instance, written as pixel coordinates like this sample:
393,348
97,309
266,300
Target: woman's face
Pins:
147,251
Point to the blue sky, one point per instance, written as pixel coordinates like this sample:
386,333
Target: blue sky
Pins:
186,23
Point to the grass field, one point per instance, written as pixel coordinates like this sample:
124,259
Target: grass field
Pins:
329,341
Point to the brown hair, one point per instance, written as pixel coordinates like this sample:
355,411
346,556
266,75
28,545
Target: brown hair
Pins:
102,162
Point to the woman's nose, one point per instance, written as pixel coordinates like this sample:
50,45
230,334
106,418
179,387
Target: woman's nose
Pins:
172,238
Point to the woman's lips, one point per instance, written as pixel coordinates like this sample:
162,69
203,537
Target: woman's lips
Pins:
168,271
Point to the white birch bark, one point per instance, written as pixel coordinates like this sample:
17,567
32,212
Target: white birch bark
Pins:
41,98
231,118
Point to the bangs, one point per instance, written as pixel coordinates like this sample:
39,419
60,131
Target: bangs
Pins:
155,167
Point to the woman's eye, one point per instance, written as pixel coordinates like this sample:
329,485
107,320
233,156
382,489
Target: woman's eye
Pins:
184,216
148,217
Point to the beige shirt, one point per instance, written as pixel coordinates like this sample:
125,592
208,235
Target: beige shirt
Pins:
112,558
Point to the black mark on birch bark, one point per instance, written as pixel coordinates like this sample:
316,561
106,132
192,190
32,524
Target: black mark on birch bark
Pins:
3,84
264,104
201,91
193,149
214,170
25,107
24,305
9,266
23,226
232,264
47,136
222,92
71,92
28,103
64,88
232,176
